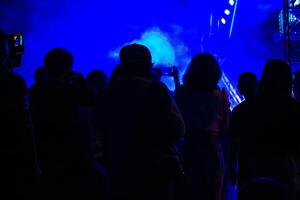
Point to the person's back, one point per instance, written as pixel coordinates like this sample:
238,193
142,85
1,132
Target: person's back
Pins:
138,139
63,144
205,110
62,139
265,130
54,111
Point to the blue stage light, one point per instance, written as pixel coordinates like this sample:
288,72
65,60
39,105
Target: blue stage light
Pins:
223,20
231,2
227,12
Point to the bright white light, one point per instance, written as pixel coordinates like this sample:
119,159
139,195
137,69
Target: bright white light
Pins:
231,2
227,12
223,21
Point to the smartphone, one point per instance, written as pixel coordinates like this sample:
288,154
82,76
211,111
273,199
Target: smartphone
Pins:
167,71
16,43
16,50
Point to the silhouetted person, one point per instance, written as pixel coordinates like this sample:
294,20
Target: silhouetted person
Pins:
115,76
58,63
98,80
205,110
40,74
247,85
17,142
296,88
265,131
142,127
58,68
63,140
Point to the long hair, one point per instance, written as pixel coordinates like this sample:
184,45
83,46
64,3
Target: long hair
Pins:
203,73
276,80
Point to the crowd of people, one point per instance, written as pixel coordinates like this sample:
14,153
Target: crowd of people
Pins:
129,137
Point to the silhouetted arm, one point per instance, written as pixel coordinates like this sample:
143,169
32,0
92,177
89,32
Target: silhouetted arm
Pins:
176,78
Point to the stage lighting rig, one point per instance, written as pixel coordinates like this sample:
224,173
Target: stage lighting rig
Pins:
289,25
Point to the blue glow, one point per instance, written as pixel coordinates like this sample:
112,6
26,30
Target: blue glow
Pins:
231,2
163,52
174,30
166,51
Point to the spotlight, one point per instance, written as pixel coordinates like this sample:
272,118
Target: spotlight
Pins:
223,20
227,12
231,2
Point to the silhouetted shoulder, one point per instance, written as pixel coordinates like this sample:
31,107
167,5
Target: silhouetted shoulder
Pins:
160,88
242,107
13,83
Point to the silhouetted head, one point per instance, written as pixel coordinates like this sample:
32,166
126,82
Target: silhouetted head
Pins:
203,73
262,190
98,79
40,74
276,80
247,84
3,50
58,61
136,60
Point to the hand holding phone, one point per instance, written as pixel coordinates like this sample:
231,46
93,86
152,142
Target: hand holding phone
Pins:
16,44
16,49
166,71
